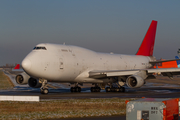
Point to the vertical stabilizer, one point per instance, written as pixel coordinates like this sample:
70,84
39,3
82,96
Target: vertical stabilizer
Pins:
17,66
147,45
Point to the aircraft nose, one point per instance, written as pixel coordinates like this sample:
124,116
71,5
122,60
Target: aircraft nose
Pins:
26,64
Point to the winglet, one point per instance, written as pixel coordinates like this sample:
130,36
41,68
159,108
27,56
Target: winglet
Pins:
147,45
17,66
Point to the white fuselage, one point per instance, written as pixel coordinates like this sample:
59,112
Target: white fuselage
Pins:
62,63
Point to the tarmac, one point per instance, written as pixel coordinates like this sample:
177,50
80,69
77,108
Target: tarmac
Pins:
164,88
153,90
96,118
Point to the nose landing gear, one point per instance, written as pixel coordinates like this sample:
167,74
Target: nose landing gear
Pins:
44,87
44,91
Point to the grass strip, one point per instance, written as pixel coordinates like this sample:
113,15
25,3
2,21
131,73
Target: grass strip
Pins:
5,82
54,109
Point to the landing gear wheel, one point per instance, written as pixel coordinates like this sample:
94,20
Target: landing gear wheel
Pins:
92,89
98,89
75,89
117,89
95,89
44,91
113,89
72,89
108,89
78,89
122,89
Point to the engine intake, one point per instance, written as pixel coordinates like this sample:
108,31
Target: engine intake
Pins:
34,83
134,81
22,78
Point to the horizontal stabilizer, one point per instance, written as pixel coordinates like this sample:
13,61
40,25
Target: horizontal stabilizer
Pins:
160,61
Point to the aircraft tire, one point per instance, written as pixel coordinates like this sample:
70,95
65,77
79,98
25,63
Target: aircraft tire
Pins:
108,89
98,89
92,89
72,89
78,89
45,91
117,89
122,89
113,89
95,89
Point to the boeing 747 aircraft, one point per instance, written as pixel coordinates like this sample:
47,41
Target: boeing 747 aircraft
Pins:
76,65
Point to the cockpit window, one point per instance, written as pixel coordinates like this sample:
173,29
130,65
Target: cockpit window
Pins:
39,48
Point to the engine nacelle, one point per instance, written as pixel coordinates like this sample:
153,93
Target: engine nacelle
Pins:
135,81
22,78
34,83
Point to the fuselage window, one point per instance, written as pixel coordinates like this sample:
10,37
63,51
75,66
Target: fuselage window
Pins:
39,48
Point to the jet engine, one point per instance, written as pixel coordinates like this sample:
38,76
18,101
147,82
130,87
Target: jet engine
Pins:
135,81
34,83
22,78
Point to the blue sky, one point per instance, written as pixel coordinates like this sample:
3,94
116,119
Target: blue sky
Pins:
115,26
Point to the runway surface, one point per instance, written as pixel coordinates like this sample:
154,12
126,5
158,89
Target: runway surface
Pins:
153,90
63,91
66,94
95,118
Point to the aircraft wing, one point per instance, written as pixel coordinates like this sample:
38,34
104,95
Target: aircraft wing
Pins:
17,70
111,73
114,73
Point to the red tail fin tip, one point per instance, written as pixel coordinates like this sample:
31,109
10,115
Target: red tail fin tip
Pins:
17,66
147,45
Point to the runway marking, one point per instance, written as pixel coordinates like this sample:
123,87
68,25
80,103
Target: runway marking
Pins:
19,98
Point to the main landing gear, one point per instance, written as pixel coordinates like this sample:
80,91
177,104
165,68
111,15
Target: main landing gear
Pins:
76,88
96,88
114,89
44,88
